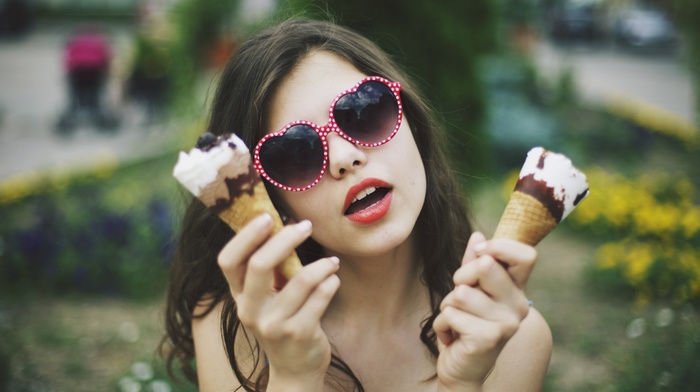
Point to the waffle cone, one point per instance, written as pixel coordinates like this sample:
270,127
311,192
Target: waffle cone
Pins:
246,207
525,219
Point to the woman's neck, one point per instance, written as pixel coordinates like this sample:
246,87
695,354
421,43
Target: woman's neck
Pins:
382,290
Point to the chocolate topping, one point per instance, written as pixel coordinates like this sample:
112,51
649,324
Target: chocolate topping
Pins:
540,163
206,140
245,183
580,197
540,191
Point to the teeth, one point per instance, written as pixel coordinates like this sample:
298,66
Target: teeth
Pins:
363,193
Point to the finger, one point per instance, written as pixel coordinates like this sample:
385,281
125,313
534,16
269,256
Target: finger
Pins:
260,275
475,302
474,242
478,334
469,299
314,308
486,274
493,278
497,283
443,331
467,274
518,258
508,251
298,290
232,257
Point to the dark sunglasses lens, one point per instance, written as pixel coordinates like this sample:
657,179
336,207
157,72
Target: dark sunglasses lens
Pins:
294,159
369,114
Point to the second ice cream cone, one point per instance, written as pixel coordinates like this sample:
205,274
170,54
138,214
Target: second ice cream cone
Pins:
549,187
525,219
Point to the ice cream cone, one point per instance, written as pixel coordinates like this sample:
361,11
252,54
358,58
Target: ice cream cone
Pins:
220,173
248,206
525,219
549,187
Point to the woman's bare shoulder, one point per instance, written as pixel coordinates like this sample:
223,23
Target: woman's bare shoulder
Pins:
213,367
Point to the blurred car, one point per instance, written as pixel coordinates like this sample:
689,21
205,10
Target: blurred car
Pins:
642,27
573,20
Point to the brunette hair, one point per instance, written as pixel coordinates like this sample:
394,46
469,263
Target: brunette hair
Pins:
241,102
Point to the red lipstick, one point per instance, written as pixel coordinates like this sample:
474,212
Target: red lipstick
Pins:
373,212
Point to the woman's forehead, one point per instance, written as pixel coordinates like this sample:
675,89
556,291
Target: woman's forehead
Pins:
308,91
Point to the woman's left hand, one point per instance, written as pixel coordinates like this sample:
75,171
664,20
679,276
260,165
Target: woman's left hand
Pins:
483,311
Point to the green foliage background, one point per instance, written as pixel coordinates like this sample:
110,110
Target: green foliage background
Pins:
196,26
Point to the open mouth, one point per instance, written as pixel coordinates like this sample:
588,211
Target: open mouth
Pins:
367,198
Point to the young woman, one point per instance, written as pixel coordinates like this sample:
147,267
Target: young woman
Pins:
391,297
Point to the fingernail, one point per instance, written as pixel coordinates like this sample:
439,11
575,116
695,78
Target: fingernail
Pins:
304,225
334,260
480,246
263,220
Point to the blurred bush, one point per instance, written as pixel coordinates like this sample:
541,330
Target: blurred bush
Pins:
150,78
198,26
652,229
105,234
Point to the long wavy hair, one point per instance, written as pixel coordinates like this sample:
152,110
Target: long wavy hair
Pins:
242,100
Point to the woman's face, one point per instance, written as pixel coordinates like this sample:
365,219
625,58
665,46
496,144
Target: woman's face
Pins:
386,218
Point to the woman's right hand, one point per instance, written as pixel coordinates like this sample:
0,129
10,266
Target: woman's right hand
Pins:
287,322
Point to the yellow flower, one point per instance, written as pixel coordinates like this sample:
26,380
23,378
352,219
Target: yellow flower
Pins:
610,255
690,222
20,186
666,219
586,213
638,259
644,220
617,210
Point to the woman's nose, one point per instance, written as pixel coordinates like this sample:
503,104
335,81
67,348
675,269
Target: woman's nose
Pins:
343,156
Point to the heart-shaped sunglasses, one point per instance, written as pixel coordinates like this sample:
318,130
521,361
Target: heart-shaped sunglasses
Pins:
295,158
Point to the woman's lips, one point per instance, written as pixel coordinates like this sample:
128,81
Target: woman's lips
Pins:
373,212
